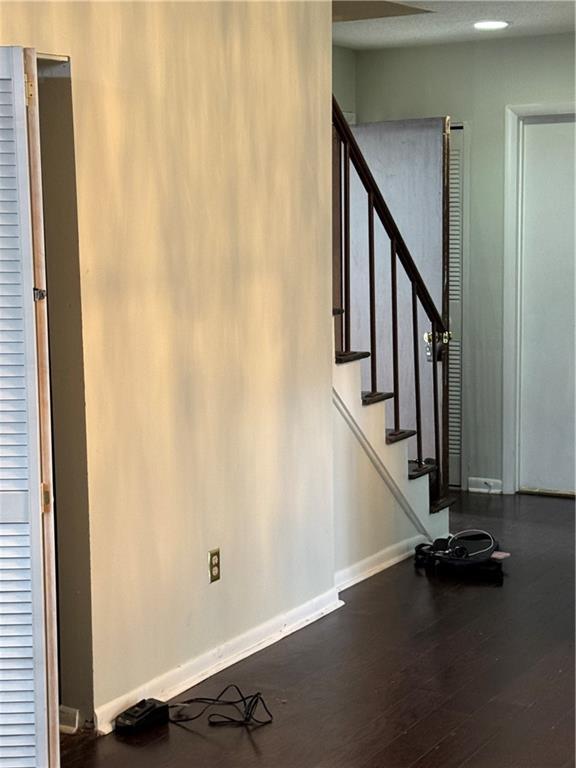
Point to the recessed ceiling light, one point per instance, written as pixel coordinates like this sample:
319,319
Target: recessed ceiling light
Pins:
491,25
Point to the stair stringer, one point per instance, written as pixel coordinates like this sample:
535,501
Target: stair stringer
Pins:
371,420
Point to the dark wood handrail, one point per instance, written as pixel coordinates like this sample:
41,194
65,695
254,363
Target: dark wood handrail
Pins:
383,212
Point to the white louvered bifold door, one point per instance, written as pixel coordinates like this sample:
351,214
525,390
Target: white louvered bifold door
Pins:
23,662
455,295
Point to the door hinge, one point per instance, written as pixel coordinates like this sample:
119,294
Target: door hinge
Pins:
46,497
28,89
39,294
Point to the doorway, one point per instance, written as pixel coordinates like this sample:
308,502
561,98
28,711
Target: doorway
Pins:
67,384
28,674
539,333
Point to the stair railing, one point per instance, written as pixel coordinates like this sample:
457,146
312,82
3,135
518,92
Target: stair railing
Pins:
347,153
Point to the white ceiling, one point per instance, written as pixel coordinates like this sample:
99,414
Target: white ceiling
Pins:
451,21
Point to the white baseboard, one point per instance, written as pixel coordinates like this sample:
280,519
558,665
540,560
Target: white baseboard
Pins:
177,680
372,565
484,485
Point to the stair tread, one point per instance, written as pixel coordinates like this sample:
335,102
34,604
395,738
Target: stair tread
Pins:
403,434
350,357
419,470
368,398
442,503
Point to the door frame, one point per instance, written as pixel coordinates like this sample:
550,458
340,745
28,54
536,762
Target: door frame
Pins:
44,407
515,117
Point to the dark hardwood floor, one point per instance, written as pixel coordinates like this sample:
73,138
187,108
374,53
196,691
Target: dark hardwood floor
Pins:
411,672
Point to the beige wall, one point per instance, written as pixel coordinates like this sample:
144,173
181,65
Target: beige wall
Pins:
473,82
202,137
369,523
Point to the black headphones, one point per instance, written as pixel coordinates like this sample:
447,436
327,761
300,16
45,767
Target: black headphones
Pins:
453,546
459,551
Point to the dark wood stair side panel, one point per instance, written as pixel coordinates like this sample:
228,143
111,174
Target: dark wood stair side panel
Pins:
440,504
350,357
369,398
403,434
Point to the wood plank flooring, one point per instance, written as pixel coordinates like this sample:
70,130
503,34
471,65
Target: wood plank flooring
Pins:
411,673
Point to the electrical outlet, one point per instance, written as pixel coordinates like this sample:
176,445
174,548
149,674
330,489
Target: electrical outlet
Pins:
214,564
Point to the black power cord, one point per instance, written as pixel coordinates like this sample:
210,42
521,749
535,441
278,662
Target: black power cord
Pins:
245,706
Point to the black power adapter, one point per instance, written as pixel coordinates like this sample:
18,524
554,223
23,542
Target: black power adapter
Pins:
148,713
242,712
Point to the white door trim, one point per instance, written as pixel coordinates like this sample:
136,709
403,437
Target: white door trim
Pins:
515,117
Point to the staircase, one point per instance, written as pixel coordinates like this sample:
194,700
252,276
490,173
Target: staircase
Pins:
417,483
389,454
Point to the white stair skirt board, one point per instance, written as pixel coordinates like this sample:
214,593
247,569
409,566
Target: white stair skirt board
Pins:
484,485
372,565
377,463
178,680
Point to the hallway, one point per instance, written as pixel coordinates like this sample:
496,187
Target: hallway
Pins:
410,672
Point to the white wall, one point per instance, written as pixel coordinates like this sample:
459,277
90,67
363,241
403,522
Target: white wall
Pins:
370,525
473,82
344,78
202,137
